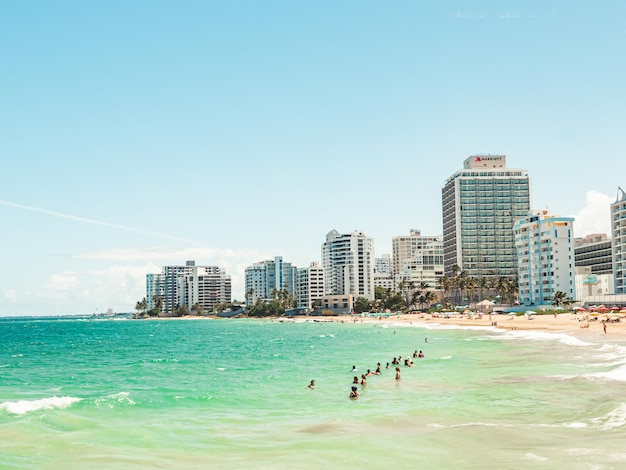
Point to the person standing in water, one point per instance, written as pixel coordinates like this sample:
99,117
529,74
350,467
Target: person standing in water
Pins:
312,384
354,394
397,373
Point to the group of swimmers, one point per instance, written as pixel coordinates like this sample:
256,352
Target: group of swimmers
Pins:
408,362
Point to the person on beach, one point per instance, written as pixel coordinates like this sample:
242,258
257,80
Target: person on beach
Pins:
604,326
397,373
354,394
312,384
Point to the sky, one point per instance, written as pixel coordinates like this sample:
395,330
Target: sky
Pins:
135,135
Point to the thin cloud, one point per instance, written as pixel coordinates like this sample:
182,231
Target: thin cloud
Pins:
85,220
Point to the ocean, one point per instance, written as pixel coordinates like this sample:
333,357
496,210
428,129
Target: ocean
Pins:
233,394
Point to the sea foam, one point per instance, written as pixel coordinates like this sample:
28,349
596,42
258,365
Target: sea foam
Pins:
21,407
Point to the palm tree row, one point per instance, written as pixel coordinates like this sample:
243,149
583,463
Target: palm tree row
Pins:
461,289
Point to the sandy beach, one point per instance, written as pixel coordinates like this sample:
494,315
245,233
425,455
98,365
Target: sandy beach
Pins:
577,324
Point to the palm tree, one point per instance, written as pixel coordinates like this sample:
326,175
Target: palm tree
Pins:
249,295
197,308
560,298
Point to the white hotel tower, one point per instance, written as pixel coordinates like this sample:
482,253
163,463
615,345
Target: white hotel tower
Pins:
348,262
545,253
481,203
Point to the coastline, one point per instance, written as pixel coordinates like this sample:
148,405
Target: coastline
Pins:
579,325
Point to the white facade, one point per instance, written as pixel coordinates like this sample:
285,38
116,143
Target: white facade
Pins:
188,285
544,245
425,266
266,276
383,273
590,285
309,285
618,229
348,262
405,247
480,204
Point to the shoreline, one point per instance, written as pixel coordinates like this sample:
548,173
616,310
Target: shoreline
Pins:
579,325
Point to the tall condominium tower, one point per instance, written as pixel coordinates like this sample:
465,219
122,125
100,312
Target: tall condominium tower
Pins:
480,204
348,262
545,251
188,285
265,276
618,229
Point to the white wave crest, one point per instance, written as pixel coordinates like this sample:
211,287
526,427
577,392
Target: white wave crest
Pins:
618,374
21,407
613,419
121,398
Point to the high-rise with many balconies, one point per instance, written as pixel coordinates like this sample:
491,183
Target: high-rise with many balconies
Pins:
348,262
480,204
618,229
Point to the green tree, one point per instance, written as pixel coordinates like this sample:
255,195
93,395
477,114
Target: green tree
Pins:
197,308
560,298
361,304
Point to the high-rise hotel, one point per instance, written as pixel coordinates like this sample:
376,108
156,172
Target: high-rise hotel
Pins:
618,229
481,203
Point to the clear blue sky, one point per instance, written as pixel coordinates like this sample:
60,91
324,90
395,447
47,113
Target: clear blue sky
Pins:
143,133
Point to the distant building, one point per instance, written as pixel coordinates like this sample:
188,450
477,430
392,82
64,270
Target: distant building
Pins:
545,252
404,248
383,273
618,228
425,266
188,285
264,277
591,285
337,304
309,285
348,262
596,252
480,204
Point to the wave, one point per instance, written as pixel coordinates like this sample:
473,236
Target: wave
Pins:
613,419
115,399
618,374
21,407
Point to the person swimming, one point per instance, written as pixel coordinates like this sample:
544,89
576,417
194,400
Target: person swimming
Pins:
353,369
355,380
421,354
363,380
354,393
312,384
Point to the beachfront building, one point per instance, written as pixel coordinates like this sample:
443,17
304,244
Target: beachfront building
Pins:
266,277
405,247
340,304
188,285
480,204
309,285
544,245
383,273
425,266
594,251
348,261
618,228
591,285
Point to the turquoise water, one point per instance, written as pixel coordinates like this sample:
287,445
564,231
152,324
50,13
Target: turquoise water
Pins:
233,394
